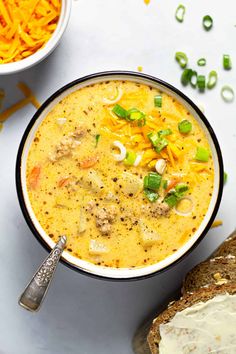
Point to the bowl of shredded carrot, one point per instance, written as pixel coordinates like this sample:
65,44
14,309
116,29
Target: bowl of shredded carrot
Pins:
29,31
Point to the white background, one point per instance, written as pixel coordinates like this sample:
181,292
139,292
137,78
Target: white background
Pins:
83,315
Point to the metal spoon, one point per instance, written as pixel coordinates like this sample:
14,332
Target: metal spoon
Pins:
34,293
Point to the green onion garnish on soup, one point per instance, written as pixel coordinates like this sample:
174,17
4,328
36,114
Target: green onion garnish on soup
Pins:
185,126
158,101
202,154
152,181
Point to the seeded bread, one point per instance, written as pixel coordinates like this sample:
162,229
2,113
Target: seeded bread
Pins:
227,247
215,271
186,301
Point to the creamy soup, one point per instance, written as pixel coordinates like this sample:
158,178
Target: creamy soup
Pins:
123,170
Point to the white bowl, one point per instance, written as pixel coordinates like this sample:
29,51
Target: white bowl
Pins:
87,267
10,68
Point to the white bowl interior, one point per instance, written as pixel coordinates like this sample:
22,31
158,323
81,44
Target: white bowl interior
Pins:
35,58
123,273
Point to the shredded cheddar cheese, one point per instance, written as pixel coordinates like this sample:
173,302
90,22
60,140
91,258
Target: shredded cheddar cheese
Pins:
217,223
29,98
26,26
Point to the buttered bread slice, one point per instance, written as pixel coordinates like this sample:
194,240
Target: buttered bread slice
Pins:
203,322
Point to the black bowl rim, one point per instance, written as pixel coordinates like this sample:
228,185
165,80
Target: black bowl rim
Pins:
105,74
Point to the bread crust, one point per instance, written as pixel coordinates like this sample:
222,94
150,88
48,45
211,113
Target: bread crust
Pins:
227,247
216,271
186,301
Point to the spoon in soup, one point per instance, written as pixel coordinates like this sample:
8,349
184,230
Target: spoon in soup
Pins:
35,292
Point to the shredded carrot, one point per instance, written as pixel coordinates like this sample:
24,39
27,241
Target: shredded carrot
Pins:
172,184
29,98
217,223
26,26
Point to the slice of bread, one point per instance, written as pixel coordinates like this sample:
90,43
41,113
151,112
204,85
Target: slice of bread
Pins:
215,271
227,247
188,300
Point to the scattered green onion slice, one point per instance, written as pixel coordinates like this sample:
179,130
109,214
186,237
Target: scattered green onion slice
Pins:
152,181
227,63
193,79
97,138
180,12
201,62
165,132
151,195
182,59
186,76
120,111
201,82
225,177
207,22
202,154
227,93
185,126
158,101
212,79
164,183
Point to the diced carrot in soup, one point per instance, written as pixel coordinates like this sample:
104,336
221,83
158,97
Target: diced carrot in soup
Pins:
33,179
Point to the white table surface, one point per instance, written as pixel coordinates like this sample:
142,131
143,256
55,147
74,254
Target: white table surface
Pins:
83,315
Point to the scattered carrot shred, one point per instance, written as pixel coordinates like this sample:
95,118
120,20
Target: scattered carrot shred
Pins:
217,223
26,26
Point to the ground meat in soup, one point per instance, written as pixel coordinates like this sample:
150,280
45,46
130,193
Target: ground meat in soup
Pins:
129,182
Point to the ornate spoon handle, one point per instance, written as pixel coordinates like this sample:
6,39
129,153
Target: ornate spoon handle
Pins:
34,293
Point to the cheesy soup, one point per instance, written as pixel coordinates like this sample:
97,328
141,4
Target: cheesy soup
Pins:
123,170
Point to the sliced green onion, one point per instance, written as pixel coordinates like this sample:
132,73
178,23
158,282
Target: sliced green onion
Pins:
181,188
186,76
207,22
193,79
97,138
171,200
153,137
158,101
201,62
202,154
164,132
182,59
130,158
152,181
151,195
180,12
227,63
185,126
225,177
161,144
157,141
201,82
227,93
135,114
164,183
120,111
212,79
